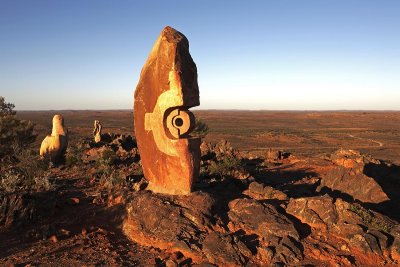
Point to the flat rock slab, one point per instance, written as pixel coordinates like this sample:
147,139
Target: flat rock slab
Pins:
187,224
164,222
261,219
276,233
361,177
358,227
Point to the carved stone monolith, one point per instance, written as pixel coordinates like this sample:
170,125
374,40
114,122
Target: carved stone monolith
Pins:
97,131
55,145
166,90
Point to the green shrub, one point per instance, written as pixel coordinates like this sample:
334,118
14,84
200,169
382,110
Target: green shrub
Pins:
13,130
27,173
225,166
71,160
6,109
369,218
113,178
201,129
108,157
73,156
11,181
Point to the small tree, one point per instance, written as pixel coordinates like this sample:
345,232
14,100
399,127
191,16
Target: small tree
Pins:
201,129
6,108
13,131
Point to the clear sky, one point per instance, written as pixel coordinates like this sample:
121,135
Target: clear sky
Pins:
308,54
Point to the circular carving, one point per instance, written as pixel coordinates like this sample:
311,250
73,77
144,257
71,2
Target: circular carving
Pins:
179,122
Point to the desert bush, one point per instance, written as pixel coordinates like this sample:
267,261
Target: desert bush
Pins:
73,155
225,166
108,157
43,183
6,109
13,130
27,173
112,178
203,171
71,160
201,129
11,181
369,218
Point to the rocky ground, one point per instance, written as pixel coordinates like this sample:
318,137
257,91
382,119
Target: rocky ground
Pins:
272,209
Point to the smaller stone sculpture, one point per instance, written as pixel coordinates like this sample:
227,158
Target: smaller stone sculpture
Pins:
97,131
55,145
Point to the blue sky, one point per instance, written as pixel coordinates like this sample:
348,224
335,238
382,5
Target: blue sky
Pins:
275,55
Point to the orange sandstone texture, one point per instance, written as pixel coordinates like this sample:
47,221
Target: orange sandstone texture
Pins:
55,145
97,131
166,90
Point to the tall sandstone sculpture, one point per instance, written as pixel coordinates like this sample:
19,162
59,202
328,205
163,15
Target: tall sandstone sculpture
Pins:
166,90
97,131
55,145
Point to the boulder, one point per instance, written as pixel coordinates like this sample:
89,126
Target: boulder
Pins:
261,219
260,191
279,239
348,178
173,224
224,250
318,212
360,228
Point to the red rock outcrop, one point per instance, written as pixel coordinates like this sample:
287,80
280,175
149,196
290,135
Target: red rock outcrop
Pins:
349,177
358,228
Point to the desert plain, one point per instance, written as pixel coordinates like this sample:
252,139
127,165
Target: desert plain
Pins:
301,132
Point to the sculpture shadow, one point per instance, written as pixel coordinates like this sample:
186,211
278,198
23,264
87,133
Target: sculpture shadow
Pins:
388,177
285,180
224,191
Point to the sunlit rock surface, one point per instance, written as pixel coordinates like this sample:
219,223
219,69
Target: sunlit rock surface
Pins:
166,89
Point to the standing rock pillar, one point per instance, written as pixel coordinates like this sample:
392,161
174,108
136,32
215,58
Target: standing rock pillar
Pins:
166,90
55,145
97,131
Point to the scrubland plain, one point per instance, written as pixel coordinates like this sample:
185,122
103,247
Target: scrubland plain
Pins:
300,132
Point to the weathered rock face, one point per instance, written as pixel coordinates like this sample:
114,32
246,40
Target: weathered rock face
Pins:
349,176
256,233
260,191
166,223
356,226
318,212
166,89
274,230
55,145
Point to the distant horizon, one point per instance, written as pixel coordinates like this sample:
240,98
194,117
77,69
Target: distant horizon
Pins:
269,110
267,55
